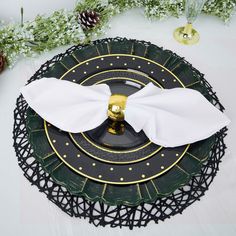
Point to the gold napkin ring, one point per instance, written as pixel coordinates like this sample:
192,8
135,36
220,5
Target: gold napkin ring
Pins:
116,107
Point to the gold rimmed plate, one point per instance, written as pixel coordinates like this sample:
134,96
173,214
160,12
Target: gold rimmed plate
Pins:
103,166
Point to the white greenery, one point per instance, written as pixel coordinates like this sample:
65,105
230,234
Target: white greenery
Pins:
62,27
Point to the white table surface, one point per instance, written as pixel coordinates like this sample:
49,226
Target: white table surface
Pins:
24,211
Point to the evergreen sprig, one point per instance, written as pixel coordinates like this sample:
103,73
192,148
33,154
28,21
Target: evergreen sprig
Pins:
62,27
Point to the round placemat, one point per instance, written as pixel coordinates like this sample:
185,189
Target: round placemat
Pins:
195,183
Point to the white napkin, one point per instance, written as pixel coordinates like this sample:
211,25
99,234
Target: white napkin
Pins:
169,117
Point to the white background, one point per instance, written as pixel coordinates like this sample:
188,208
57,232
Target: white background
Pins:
24,211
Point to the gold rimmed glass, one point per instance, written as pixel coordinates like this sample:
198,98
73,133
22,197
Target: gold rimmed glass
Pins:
187,34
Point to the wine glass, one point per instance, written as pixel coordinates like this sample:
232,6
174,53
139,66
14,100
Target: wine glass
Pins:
186,34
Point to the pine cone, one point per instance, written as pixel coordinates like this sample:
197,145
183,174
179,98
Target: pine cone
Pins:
2,62
89,19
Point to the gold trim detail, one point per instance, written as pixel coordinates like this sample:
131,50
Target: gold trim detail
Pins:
155,187
113,151
121,70
150,197
110,182
139,191
127,55
101,180
64,65
49,155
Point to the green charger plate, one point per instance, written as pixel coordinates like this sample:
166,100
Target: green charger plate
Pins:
127,66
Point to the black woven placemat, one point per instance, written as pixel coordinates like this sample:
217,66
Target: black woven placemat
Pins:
100,213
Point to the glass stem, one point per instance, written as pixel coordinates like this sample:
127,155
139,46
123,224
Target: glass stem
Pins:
22,16
188,29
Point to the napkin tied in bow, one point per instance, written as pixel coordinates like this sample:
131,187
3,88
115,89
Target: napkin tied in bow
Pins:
169,117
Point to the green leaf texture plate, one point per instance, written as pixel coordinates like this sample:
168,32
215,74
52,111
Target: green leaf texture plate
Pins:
118,169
